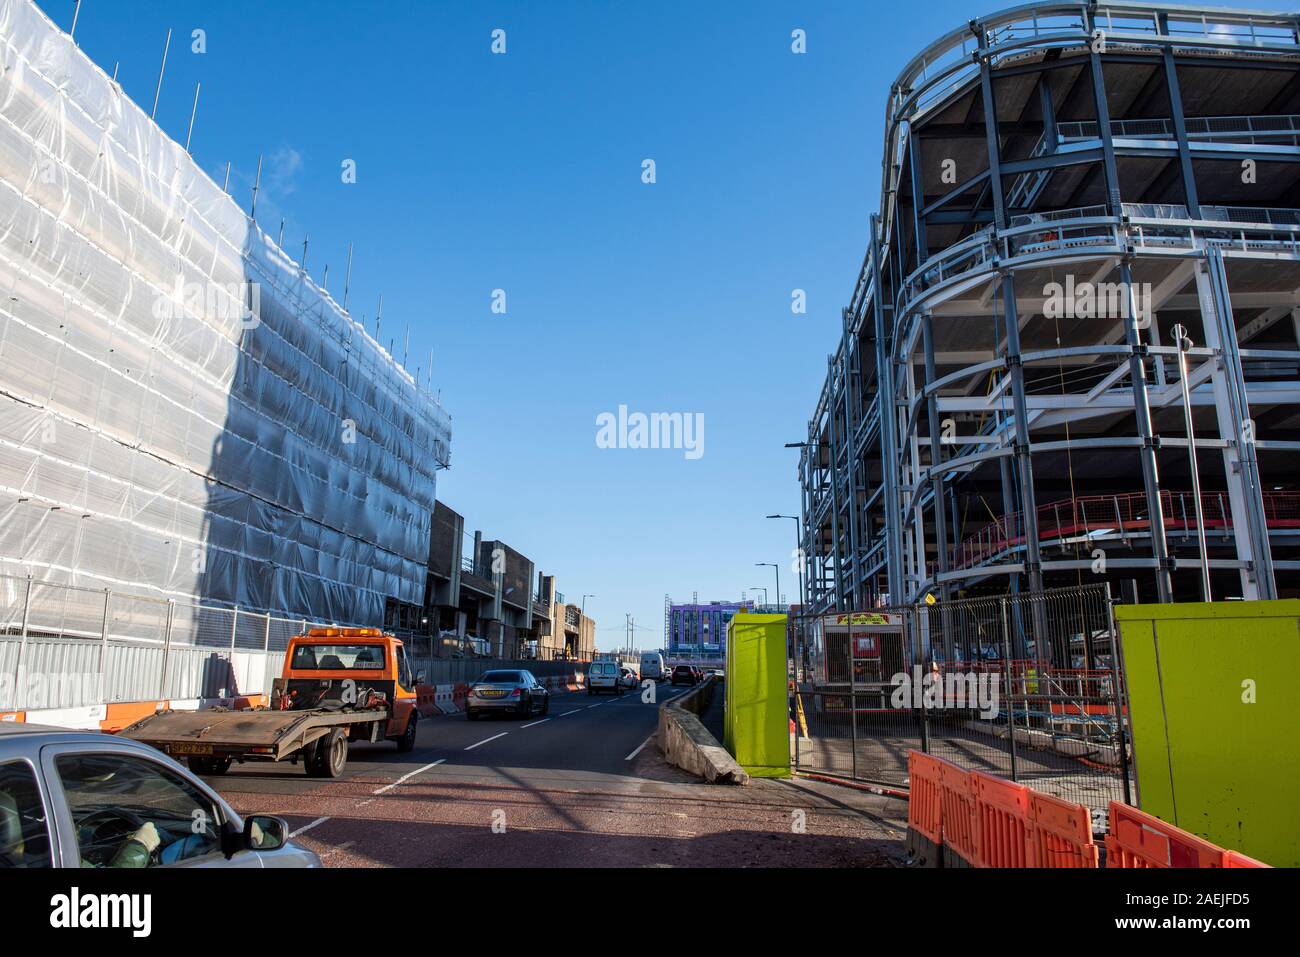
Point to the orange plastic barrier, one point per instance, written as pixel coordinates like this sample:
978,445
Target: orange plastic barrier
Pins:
1137,839
1234,859
924,804
1001,822
1060,833
957,796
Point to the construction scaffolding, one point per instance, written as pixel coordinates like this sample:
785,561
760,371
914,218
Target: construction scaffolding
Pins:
1072,353
184,413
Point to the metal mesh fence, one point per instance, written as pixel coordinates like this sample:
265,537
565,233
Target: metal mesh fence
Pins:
1023,686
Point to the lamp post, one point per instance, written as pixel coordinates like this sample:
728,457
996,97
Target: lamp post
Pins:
777,568
799,558
762,588
1184,344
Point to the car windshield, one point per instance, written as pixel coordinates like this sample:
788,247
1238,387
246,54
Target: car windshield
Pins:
338,658
502,677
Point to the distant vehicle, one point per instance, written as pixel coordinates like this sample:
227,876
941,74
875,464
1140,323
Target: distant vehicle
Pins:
604,676
512,691
338,685
685,675
86,799
653,667
629,677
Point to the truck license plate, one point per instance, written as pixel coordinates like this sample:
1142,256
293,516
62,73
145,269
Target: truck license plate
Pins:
185,748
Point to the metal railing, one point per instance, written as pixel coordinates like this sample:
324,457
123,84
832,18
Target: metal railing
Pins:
1115,516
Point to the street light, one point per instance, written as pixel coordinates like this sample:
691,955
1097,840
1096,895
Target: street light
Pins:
762,588
798,550
777,568
1184,344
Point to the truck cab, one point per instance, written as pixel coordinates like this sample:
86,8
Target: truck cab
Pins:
336,667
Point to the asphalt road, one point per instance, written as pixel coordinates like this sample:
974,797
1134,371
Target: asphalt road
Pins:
584,786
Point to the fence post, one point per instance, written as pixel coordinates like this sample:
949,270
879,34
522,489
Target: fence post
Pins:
266,659
19,699
1116,653
1006,671
230,659
103,650
914,613
853,702
167,648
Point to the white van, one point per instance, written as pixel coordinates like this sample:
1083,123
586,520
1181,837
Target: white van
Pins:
653,667
604,676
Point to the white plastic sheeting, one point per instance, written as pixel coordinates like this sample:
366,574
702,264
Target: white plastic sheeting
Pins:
183,411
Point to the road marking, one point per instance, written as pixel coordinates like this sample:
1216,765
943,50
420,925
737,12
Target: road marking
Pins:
486,740
407,777
638,749
543,721
308,827
567,713
595,705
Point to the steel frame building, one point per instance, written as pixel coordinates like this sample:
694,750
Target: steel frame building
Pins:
1004,411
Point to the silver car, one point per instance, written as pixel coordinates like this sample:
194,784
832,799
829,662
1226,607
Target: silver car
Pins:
507,692
85,799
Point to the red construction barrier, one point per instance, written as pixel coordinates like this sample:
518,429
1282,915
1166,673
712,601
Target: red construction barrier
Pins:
1060,833
1001,822
957,797
1137,839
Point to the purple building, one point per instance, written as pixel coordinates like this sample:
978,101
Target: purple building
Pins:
700,630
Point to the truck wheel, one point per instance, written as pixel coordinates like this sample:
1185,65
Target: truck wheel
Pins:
406,743
330,756
218,766
199,765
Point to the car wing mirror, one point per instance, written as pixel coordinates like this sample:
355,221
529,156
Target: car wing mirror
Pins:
265,832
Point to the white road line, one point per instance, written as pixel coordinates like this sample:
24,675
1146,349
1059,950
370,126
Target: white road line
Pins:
308,827
407,777
595,705
531,724
486,740
567,713
638,748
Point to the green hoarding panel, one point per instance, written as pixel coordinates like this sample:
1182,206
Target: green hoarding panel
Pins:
1216,739
756,726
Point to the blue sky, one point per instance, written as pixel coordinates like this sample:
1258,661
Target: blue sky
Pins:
522,172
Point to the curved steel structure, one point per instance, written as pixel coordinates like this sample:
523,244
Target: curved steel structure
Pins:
1064,185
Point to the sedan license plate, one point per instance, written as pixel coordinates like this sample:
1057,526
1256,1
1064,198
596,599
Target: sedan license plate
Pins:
186,748
491,693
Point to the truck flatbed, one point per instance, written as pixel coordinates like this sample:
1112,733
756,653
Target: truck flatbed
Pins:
274,735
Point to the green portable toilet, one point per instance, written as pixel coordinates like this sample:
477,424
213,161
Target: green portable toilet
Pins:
756,727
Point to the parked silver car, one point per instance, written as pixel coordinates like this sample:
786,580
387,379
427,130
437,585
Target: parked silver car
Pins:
85,799
507,692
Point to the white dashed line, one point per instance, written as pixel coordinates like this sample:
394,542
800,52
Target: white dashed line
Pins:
639,747
567,713
308,827
543,721
407,777
486,740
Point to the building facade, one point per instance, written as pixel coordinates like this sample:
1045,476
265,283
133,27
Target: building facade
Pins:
184,413
1072,353
699,630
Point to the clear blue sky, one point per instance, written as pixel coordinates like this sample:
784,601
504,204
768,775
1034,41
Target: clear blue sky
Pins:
523,172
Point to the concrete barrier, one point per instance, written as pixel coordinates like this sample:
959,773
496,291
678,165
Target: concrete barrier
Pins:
687,744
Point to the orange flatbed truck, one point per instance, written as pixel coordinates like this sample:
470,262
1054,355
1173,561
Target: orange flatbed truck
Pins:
339,685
